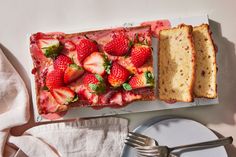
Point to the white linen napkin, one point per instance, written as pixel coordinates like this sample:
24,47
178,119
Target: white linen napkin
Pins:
100,137
14,100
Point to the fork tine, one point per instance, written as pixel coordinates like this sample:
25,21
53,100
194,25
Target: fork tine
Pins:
139,135
148,150
136,138
140,143
132,144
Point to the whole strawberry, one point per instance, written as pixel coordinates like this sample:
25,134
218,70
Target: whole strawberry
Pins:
62,62
54,79
118,46
85,48
140,54
118,75
94,83
142,80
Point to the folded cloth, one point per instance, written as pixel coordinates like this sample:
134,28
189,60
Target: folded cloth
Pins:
14,100
100,137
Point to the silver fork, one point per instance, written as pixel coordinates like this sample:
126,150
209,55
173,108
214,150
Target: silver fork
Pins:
164,151
136,140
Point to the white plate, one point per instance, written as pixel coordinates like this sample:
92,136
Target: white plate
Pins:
178,131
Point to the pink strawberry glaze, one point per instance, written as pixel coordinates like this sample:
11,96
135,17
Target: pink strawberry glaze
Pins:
53,116
157,26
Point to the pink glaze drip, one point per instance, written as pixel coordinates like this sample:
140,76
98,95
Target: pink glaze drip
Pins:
157,26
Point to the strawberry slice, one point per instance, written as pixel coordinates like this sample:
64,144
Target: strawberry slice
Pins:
140,54
64,95
142,80
96,63
85,47
62,62
69,45
118,46
118,75
72,73
54,79
94,83
50,47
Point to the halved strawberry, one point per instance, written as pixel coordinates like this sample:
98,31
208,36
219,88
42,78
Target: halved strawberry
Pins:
50,47
140,54
64,95
69,45
72,72
94,83
54,79
142,80
118,46
85,47
118,75
96,63
62,62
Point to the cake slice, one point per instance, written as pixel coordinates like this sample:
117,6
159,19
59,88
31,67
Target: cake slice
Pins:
103,68
205,81
176,64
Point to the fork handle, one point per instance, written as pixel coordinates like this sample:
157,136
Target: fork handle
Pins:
214,143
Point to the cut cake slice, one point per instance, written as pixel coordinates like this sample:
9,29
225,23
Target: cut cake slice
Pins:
176,64
205,82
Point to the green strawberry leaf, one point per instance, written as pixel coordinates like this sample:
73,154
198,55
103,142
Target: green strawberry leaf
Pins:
149,77
107,64
94,87
52,51
76,98
99,78
75,66
131,43
45,88
126,86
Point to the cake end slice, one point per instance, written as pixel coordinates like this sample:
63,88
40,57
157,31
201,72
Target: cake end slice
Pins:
205,82
176,64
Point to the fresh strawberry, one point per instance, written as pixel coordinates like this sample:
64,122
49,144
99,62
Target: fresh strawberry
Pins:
84,48
94,83
69,45
50,47
96,63
54,79
118,75
62,62
118,46
145,79
140,54
73,71
64,95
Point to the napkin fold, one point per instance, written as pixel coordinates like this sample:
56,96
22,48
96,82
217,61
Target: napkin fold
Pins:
14,100
100,137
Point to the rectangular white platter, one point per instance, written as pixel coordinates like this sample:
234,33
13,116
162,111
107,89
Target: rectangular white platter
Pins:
140,106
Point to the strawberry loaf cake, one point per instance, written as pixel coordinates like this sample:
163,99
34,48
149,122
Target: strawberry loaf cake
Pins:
104,68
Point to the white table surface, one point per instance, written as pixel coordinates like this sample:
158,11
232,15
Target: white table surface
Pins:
20,17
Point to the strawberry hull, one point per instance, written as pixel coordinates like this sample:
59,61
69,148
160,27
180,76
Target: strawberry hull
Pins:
88,53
